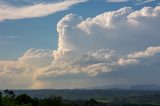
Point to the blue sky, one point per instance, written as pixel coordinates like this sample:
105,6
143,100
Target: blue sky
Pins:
41,32
28,36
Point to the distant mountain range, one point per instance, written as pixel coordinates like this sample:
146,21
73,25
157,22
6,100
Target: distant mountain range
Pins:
150,87
94,92
145,87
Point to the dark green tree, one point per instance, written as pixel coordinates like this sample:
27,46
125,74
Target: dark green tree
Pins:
8,98
56,101
6,92
9,93
92,102
24,99
35,102
0,98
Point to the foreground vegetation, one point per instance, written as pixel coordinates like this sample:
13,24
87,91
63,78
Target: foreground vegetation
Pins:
8,98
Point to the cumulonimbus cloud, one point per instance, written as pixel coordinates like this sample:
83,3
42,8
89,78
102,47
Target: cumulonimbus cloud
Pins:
9,12
91,46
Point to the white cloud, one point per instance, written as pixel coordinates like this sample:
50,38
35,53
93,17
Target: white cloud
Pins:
151,51
134,57
123,61
111,30
91,46
20,73
37,58
73,63
9,12
122,31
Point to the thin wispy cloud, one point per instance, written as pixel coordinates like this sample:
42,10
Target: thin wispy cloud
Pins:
2,42
116,1
144,2
10,12
6,39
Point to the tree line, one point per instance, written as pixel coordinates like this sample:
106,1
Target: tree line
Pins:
8,98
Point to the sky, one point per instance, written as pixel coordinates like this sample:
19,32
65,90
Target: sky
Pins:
61,44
